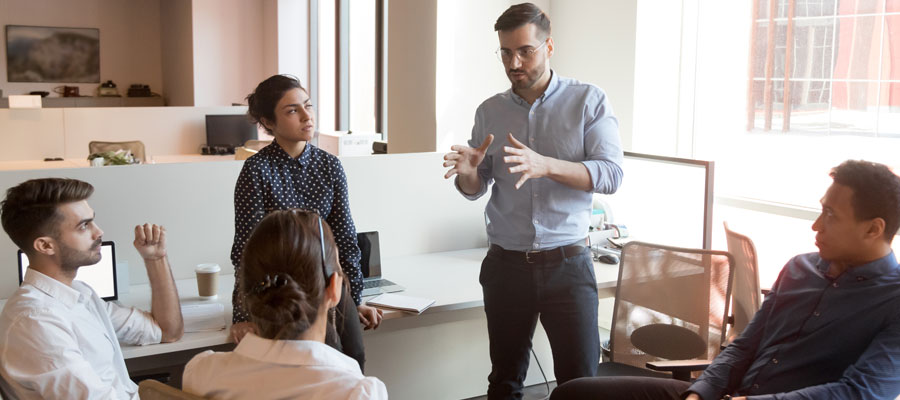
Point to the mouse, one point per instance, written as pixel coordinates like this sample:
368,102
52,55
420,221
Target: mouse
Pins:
608,259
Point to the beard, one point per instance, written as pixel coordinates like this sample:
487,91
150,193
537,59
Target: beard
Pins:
71,259
531,76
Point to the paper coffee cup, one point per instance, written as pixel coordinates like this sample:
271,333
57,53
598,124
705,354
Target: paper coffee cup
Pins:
207,280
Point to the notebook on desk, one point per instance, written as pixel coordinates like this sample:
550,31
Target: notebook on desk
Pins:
101,276
370,264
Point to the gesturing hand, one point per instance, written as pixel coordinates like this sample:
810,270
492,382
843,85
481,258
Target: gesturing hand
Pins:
530,163
150,241
464,160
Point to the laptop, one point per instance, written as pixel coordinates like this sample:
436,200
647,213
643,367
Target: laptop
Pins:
101,276
370,264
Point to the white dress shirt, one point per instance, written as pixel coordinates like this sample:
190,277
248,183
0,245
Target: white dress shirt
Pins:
58,341
279,369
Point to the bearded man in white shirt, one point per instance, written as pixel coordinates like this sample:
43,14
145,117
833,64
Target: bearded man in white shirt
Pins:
58,339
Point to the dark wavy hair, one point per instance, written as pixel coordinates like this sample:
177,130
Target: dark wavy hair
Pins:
261,103
876,192
521,14
282,281
30,209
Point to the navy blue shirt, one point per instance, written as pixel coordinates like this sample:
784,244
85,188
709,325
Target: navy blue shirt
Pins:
272,180
817,337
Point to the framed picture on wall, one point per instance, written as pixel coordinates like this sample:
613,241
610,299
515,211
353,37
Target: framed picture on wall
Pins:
48,54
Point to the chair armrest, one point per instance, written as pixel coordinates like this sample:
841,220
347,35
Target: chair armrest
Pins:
680,369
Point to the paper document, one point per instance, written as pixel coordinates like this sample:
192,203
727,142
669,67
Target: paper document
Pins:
202,317
401,302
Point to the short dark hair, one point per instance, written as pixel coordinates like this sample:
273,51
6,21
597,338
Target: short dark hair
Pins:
265,97
521,14
876,192
282,281
30,209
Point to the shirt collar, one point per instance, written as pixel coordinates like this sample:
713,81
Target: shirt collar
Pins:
870,270
66,294
551,88
275,150
294,352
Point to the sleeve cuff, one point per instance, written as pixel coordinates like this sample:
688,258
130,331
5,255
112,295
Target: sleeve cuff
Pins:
704,390
475,196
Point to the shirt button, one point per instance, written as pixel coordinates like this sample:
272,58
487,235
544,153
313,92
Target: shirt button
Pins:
774,361
816,313
756,386
834,284
535,245
535,195
535,221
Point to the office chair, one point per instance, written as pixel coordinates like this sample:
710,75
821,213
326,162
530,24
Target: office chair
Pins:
136,147
671,304
151,389
746,296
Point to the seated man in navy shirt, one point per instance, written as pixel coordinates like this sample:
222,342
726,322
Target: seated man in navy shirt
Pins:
830,327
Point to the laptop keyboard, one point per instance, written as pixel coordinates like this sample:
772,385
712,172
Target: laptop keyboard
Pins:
377,283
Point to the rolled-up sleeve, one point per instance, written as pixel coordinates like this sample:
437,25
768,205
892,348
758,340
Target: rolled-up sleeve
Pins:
132,325
603,148
485,168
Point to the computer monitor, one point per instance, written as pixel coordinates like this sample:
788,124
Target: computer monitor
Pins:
665,200
370,251
100,276
229,130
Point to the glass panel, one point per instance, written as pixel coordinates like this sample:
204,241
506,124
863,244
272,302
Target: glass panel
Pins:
857,50
759,51
758,105
853,108
893,6
814,8
853,7
889,117
891,55
763,9
362,65
809,106
813,49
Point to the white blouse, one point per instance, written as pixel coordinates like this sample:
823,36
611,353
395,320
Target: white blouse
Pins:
282,369
58,341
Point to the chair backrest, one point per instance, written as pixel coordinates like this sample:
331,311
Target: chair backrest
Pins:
150,389
671,304
136,147
746,296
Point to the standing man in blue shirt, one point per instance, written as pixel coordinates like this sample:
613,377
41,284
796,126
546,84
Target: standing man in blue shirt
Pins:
561,145
829,328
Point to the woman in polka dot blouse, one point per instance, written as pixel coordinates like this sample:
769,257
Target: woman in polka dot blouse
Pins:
287,174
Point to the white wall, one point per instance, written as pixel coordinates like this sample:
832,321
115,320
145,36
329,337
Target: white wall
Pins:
176,32
595,43
129,39
229,41
293,39
422,214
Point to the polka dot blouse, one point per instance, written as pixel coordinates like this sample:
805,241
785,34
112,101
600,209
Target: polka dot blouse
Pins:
271,180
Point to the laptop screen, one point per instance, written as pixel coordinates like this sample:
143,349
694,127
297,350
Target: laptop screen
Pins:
100,276
370,262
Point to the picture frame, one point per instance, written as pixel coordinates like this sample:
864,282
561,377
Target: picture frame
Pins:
52,54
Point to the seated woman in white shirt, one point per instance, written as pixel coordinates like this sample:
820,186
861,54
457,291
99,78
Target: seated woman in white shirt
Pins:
290,282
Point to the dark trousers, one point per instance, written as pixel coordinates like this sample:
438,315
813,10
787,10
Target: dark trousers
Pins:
346,334
563,294
620,388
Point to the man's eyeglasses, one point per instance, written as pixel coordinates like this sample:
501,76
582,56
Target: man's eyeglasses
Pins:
525,54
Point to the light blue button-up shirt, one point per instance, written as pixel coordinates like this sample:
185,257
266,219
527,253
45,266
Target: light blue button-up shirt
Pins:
571,121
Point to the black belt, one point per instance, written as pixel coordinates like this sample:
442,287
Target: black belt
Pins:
542,256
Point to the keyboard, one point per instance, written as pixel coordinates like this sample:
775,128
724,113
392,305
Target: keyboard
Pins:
377,283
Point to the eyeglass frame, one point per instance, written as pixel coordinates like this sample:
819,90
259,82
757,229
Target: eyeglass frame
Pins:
523,54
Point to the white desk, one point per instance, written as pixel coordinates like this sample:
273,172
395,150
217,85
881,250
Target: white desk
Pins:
450,278
84,163
443,351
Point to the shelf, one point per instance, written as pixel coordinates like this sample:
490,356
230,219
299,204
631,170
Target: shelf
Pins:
66,102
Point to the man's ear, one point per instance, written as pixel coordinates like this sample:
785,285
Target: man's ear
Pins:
550,47
875,229
45,245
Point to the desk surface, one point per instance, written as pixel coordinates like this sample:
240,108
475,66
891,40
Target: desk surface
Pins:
84,163
450,278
